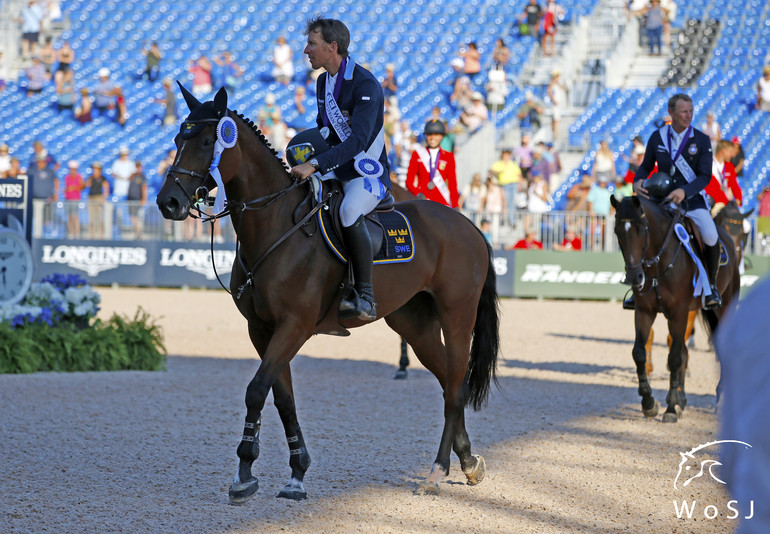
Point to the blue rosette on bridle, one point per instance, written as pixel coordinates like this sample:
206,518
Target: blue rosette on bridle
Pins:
227,136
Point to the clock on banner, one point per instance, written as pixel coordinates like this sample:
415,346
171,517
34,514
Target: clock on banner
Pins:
16,266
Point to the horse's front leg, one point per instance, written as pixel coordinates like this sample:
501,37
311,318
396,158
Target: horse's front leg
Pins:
677,365
299,459
281,348
643,323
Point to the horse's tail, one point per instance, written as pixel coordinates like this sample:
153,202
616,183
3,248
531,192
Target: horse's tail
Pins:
482,368
711,319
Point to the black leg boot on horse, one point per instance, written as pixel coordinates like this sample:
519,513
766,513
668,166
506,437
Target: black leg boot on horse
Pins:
712,255
359,302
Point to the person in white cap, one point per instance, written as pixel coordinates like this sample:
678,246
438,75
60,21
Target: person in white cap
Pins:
122,169
474,116
104,92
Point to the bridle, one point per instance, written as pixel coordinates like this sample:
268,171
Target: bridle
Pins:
251,205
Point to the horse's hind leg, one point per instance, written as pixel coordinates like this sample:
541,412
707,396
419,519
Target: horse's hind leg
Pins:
643,321
299,459
418,323
677,364
403,362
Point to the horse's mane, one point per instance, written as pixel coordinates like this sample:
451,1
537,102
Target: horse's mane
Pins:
261,137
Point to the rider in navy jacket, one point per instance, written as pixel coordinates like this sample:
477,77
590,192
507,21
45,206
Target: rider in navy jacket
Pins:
362,103
680,140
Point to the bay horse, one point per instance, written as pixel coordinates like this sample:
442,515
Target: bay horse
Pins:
661,273
287,284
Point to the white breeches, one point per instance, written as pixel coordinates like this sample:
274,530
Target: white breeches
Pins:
702,219
361,196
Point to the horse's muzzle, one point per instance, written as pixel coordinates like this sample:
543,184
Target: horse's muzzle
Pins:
635,278
171,207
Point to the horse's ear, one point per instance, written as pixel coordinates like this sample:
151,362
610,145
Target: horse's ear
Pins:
748,213
636,201
192,102
220,102
614,202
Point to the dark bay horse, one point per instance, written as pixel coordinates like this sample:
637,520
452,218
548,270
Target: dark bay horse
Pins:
661,273
288,286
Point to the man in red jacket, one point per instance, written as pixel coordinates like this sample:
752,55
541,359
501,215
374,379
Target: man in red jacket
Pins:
723,186
432,171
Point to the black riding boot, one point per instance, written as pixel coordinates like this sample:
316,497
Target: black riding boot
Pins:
712,266
359,303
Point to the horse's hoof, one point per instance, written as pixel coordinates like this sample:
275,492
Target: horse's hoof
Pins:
400,375
292,494
652,412
294,490
679,411
669,417
240,492
476,474
427,488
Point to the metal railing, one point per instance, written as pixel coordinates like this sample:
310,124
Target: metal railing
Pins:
130,221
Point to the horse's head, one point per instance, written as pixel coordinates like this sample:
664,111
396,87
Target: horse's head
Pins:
633,233
188,179
731,219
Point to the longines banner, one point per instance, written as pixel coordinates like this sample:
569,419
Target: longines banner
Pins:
520,273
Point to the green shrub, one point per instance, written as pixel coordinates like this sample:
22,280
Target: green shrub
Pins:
118,344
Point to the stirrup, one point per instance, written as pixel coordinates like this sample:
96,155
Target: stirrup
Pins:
629,303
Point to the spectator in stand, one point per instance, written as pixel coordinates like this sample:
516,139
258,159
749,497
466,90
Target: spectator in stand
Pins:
229,72
529,112
98,193
461,95
5,159
39,150
270,115
557,92
471,60
669,14
65,90
510,178
3,73
122,169
283,61
723,186
571,242
166,162
472,198
529,242
551,155
763,90
497,90
604,164
763,213
201,71
553,12
389,83
637,156
712,129
431,171
45,184
65,56
523,155
486,230
577,196
493,207
476,115
529,20
169,101
73,185
300,95
653,25
31,17
540,163
137,198
104,92
47,56
738,158
622,188
37,77
83,110
538,195
599,204
501,55
392,109
15,170
120,105
153,56
404,141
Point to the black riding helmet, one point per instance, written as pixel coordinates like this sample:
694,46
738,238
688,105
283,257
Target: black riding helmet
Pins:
435,126
658,185
305,146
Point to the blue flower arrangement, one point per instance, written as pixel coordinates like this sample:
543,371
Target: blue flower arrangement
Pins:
56,299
